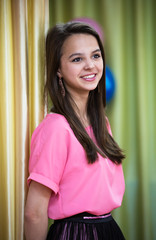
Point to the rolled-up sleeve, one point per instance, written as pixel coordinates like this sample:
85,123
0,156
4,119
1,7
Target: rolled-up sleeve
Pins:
49,147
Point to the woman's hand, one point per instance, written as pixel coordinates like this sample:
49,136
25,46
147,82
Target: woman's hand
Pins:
36,217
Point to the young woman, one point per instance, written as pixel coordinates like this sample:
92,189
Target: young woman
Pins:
76,175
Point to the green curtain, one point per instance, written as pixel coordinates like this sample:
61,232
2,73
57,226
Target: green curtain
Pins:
129,42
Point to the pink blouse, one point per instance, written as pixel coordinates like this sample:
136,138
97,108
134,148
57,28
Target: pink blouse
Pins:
58,161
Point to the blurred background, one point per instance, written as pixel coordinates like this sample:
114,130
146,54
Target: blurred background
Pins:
129,38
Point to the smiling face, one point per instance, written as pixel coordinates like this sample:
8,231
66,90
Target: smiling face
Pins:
81,64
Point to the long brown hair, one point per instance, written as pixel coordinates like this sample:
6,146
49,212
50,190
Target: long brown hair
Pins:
106,145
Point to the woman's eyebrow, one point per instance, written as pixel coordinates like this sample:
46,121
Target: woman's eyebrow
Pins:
80,54
97,50
75,54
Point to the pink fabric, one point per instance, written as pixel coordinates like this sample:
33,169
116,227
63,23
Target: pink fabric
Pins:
59,162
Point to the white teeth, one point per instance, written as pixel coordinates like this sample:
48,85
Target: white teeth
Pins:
89,76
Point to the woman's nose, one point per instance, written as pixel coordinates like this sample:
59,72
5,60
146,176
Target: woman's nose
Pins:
89,64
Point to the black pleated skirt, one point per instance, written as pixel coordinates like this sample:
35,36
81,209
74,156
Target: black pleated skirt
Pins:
85,227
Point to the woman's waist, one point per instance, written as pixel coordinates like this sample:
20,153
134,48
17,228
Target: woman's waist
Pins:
87,218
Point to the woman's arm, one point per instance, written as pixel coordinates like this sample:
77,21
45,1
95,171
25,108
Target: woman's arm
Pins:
36,217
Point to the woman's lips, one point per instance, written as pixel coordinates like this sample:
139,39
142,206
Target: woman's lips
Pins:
89,77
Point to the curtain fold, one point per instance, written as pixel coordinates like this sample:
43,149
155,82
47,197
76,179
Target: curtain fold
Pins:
21,116
36,60
7,123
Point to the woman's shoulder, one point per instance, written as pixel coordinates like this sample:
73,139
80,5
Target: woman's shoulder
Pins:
55,120
52,123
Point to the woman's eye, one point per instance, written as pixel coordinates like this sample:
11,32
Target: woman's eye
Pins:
96,55
78,59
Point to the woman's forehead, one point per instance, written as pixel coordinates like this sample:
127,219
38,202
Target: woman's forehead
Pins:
81,43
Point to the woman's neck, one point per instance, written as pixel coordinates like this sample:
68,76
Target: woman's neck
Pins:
80,107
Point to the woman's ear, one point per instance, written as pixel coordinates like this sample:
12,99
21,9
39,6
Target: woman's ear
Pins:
59,73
